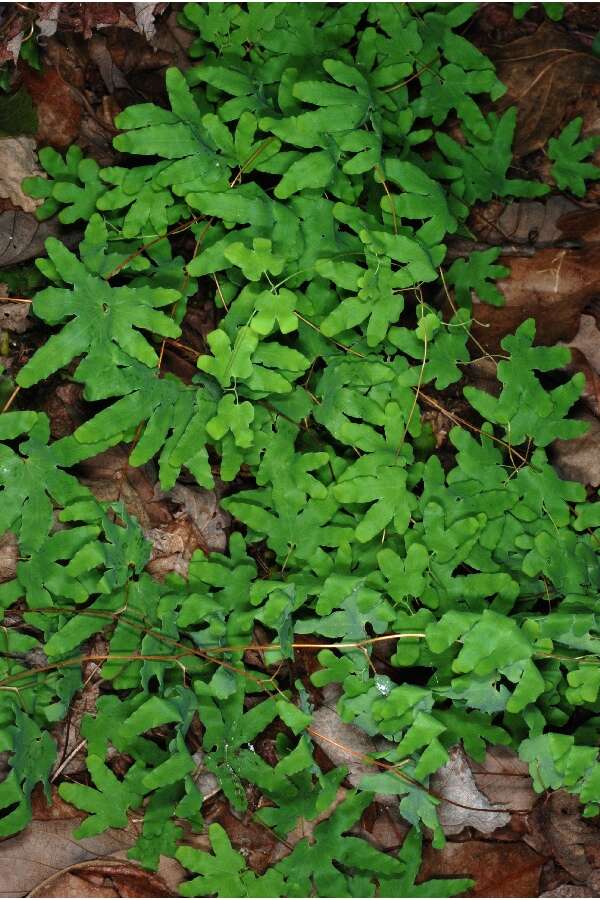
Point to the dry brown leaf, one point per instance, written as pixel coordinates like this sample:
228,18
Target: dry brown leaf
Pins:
14,317
499,869
22,237
532,222
101,57
47,18
346,745
171,38
71,750
176,522
103,878
553,287
18,160
202,508
545,74
579,458
590,393
58,110
9,554
382,826
144,18
65,408
504,778
558,830
110,477
570,890
465,805
254,841
582,224
343,744
47,847
587,340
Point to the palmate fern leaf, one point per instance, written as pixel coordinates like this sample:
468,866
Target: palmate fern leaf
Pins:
33,478
98,315
308,163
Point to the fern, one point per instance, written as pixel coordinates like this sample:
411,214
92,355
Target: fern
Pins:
320,190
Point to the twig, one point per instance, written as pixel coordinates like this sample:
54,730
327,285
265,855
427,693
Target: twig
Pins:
11,399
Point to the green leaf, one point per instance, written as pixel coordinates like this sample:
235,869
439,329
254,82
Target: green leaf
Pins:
452,90
477,275
380,480
98,315
108,803
480,166
32,479
524,407
567,152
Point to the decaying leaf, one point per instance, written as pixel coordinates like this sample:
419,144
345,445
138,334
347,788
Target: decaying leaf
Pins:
17,161
499,869
465,804
552,287
48,848
344,744
58,109
534,222
202,508
9,553
578,459
14,317
103,878
558,830
504,779
22,237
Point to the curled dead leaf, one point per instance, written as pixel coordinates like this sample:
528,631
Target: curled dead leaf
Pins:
532,222
103,878
34,862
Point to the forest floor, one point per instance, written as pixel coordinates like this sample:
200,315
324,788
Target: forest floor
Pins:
97,59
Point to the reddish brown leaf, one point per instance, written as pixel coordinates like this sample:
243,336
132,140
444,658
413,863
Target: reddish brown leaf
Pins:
505,779
553,287
59,112
499,869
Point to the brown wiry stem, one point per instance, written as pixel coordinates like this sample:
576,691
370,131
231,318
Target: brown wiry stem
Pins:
11,399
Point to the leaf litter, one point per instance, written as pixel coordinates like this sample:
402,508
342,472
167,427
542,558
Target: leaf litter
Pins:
484,801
